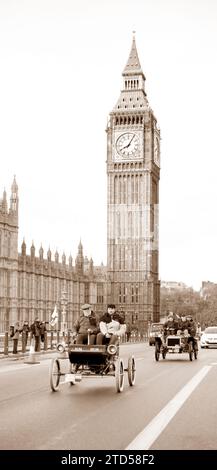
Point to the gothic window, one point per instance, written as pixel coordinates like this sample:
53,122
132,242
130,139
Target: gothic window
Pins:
124,294
120,294
86,293
136,190
100,297
132,293
132,190
119,257
8,285
129,224
115,190
136,257
118,224
124,190
137,293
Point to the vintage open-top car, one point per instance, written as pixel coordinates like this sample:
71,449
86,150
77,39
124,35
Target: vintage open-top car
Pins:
175,342
90,361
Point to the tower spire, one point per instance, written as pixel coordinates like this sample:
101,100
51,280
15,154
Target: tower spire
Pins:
133,66
14,197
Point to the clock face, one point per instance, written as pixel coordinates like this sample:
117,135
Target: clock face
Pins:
127,145
156,150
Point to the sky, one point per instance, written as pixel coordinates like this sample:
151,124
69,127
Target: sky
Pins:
61,64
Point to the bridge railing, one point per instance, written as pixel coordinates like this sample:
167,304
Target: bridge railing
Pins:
51,339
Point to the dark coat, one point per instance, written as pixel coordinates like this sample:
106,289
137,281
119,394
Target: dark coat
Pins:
86,323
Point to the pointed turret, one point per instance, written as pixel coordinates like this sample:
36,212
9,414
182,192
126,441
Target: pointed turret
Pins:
63,258
79,262
133,66
41,253
4,204
23,248
32,251
56,257
70,260
14,197
49,254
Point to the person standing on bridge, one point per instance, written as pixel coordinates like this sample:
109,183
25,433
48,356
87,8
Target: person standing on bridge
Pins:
15,337
35,332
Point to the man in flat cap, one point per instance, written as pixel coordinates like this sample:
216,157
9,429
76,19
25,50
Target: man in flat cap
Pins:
86,325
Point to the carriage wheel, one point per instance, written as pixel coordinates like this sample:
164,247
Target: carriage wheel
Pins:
131,371
190,350
119,375
54,374
157,352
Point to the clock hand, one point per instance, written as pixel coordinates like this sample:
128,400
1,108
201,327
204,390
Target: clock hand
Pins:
126,146
131,140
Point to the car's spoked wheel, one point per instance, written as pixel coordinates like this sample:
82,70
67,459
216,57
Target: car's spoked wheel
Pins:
119,375
54,374
157,352
131,371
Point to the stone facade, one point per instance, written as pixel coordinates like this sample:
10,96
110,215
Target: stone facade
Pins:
30,286
133,172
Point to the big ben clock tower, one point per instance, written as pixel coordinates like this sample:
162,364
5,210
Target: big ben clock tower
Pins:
133,173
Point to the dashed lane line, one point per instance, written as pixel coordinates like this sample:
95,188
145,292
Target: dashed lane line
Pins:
150,433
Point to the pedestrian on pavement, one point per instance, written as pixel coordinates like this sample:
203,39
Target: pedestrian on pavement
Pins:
26,330
15,337
42,330
35,332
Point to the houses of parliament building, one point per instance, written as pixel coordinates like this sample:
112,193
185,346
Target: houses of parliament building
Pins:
31,285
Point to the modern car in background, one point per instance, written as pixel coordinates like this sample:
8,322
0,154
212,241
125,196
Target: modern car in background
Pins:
155,330
209,337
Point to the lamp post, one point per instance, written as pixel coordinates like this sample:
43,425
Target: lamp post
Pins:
63,326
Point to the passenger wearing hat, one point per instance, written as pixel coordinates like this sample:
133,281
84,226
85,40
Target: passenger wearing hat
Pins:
112,325
170,326
86,325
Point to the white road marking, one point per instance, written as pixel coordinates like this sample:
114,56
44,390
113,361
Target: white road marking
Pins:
15,368
145,439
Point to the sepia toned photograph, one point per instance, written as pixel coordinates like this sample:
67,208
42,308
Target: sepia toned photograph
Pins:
108,280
